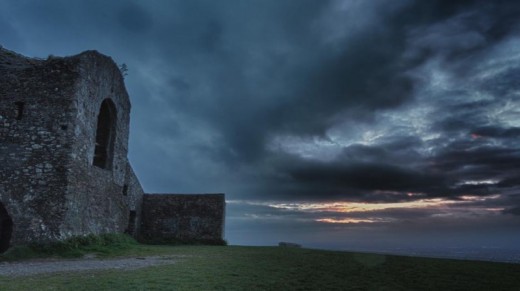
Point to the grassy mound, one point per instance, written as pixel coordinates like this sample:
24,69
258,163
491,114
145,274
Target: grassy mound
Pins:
180,242
109,244
275,268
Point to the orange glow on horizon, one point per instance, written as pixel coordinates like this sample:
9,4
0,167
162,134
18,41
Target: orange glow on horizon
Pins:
346,220
346,207
341,212
357,207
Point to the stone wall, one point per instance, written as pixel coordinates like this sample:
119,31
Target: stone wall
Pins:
35,141
133,192
49,111
183,218
51,185
95,197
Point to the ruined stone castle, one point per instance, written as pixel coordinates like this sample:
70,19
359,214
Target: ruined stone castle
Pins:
64,171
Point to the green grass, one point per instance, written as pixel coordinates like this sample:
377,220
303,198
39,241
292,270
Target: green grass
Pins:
273,268
104,245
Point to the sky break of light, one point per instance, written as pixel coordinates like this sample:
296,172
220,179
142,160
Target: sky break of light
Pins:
336,123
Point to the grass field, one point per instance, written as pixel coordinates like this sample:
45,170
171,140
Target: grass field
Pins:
273,268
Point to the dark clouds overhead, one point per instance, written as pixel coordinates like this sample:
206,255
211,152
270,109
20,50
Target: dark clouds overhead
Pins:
306,100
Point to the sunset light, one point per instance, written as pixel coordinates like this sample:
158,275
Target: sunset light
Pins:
347,207
376,125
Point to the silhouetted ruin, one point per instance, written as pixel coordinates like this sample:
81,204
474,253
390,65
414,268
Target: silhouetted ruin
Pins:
64,171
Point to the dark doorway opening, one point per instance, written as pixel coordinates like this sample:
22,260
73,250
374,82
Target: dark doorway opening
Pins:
19,109
131,223
105,135
6,229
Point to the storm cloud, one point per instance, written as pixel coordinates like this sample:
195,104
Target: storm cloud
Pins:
307,101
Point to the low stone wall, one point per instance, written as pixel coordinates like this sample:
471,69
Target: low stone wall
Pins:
179,218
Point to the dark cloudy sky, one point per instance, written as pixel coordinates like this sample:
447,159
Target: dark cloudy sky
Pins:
346,124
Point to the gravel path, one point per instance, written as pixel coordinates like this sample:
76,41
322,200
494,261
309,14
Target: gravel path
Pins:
55,266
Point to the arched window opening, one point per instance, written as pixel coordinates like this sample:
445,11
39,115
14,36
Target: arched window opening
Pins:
6,229
105,135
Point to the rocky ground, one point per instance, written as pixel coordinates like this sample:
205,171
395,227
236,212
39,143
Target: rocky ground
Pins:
33,267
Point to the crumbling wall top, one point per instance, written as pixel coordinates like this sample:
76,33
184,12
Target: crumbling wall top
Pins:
13,60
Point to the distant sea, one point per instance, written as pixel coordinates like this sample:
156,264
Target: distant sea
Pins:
480,254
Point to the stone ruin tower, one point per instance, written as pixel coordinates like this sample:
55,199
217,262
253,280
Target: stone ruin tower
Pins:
64,127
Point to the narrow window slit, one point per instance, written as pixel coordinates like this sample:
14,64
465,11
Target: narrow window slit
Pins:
19,109
131,222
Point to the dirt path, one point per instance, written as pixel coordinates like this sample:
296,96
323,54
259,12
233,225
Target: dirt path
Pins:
28,268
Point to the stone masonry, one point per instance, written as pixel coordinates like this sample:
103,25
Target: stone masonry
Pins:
183,218
64,171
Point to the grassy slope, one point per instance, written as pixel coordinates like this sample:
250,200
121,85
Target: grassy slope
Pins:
271,268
